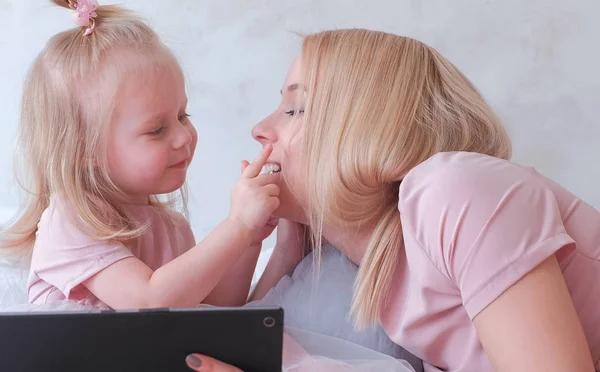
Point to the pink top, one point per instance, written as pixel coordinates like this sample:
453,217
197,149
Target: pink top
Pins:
473,226
64,256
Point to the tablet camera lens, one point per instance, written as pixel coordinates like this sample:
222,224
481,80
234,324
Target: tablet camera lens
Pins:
269,322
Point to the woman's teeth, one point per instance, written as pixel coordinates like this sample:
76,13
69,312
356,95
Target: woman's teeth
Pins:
270,169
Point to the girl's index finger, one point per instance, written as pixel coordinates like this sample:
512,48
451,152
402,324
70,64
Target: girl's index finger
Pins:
244,165
253,169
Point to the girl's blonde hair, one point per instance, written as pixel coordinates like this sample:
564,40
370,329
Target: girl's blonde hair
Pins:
378,105
68,101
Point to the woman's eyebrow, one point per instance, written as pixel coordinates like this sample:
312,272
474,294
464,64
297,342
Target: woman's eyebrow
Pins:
292,87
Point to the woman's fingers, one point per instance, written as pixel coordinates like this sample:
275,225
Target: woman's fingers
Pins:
203,363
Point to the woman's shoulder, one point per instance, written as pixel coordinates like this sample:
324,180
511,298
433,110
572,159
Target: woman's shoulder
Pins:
461,165
465,175
460,195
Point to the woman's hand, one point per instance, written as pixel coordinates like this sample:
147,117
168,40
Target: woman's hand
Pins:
292,241
293,352
203,363
290,249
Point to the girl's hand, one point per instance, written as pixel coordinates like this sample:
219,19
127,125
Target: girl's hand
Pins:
255,196
267,230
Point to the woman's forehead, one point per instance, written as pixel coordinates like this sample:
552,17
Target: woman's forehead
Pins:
293,76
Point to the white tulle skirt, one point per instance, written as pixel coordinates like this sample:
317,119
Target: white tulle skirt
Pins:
309,351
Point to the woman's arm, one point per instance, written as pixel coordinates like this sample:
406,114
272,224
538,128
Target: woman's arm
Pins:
287,254
533,326
277,267
493,230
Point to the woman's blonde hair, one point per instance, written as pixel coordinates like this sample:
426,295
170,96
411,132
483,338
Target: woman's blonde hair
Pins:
377,105
68,101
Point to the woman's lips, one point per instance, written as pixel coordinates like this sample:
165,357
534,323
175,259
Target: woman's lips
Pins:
270,168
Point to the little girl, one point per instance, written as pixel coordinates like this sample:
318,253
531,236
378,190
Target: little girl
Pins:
103,131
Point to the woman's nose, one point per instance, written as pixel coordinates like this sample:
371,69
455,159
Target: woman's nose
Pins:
264,132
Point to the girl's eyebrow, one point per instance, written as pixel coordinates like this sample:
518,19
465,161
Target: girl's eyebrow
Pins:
159,116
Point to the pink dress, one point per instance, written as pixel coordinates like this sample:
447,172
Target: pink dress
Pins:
474,225
64,257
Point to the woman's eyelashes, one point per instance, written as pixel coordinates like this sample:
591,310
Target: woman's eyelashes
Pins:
184,116
294,112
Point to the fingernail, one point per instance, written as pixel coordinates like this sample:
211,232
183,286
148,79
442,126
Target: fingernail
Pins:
193,361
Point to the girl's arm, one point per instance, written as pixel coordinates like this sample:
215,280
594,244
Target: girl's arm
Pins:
190,278
184,282
233,289
533,326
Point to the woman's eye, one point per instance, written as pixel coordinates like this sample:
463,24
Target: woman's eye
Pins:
183,117
294,112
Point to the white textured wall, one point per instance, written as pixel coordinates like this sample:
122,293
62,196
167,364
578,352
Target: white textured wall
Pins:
536,61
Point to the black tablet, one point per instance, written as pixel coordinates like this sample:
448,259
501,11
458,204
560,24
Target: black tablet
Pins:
156,340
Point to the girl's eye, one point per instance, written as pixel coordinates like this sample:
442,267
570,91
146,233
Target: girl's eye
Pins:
157,131
294,112
184,116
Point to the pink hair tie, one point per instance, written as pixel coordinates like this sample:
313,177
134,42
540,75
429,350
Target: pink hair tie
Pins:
84,12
